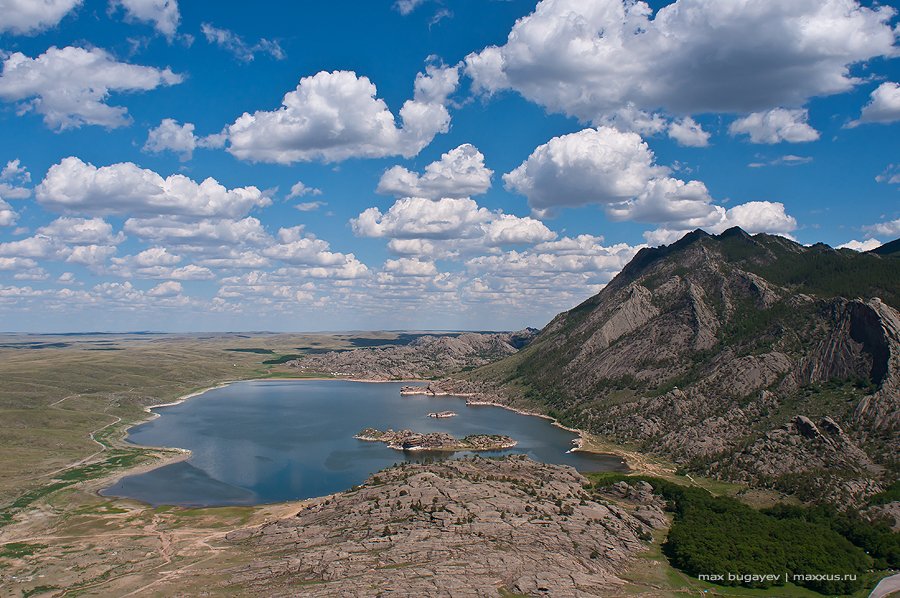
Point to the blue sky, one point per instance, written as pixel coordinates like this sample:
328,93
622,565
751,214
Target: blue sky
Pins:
418,164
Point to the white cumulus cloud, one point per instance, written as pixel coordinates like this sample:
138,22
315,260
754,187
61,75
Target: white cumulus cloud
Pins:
775,126
125,188
32,16
867,245
70,86
8,216
689,133
883,106
753,217
589,59
13,179
332,116
180,139
170,288
889,229
459,173
448,219
163,14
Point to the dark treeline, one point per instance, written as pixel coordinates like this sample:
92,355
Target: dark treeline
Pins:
720,535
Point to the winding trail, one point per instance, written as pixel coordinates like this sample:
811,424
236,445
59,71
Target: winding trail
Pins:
92,435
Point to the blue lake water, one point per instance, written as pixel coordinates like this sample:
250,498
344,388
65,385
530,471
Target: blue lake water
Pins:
270,441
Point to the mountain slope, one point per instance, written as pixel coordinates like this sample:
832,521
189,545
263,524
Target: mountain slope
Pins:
745,358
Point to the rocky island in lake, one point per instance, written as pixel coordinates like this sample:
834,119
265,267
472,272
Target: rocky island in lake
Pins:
442,414
408,440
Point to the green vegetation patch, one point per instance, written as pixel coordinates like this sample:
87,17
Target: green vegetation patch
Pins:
16,550
253,350
714,536
283,359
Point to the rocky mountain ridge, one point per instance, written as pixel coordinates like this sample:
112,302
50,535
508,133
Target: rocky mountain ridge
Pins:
426,357
745,358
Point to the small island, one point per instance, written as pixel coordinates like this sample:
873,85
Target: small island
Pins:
442,414
416,390
407,440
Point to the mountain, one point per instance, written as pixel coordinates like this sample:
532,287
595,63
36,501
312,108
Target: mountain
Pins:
744,358
891,248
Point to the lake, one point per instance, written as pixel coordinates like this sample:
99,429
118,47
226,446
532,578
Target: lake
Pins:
269,441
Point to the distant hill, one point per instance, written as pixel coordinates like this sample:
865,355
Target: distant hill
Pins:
892,249
747,358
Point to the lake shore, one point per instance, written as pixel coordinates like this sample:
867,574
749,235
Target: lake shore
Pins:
580,444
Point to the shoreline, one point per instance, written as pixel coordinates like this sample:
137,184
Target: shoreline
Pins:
578,442
185,454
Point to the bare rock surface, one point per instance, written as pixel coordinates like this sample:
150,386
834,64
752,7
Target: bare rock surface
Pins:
408,440
425,357
454,528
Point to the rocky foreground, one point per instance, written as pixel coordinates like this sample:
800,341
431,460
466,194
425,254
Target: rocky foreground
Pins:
468,527
425,357
407,440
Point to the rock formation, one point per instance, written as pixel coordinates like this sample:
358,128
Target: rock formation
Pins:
468,527
407,440
425,357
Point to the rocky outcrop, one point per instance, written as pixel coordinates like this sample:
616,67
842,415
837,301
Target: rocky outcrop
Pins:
425,357
407,440
455,528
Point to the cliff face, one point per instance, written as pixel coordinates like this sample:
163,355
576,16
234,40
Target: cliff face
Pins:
745,358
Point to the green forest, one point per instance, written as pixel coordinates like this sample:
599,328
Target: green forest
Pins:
720,535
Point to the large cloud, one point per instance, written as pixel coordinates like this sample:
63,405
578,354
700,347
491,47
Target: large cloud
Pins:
124,188
589,59
591,166
883,106
775,126
69,86
459,173
618,171
611,168
334,116
31,16
162,13
418,219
